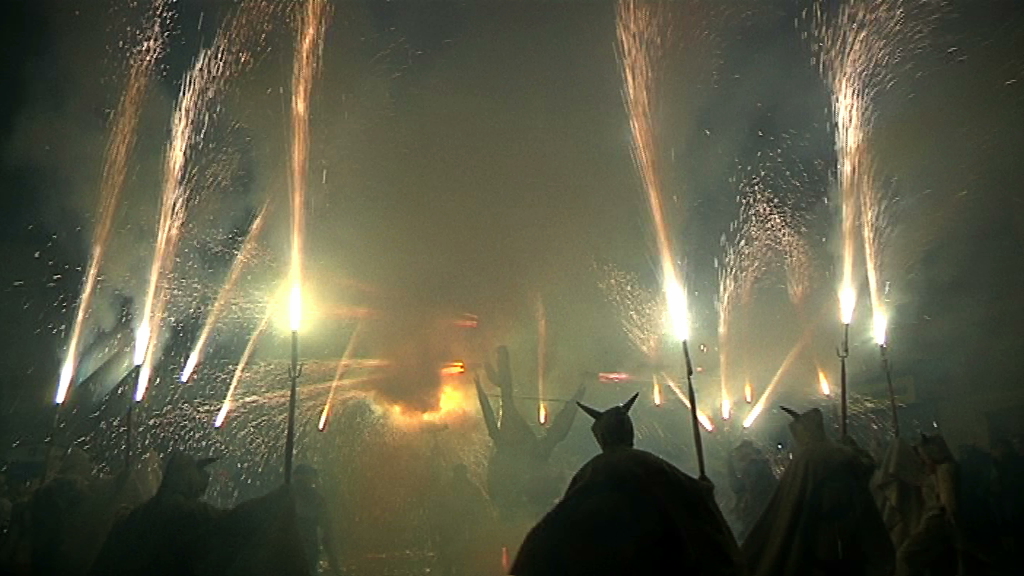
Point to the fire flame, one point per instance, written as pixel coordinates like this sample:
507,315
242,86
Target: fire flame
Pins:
657,391
453,369
847,301
880,325
542,413
748,393
823,383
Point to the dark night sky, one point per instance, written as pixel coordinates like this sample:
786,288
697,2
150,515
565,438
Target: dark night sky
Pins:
477,155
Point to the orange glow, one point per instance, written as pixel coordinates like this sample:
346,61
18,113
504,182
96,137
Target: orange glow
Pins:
453,369
748,393
453,404
703,418
613,377
467,321
823,383
542,413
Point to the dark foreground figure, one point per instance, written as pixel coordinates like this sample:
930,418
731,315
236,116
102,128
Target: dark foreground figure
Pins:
822,519
175,533
629,512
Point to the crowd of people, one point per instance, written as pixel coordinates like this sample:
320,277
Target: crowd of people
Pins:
910,509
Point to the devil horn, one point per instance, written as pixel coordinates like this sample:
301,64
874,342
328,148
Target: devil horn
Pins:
793,413
204,462
629,403
595,414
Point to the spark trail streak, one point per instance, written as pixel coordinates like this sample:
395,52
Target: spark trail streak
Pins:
793,353
119,146
236,269
703,418
858,50
241,368
312,22
639,40
542,336
343,366
201,85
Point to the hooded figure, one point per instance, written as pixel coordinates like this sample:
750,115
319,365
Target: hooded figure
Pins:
752,482
895,486
934,543
822,518
177,534
628,511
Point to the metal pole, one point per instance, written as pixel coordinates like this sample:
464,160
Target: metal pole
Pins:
892,393
843,404
698,442
128,436
293,375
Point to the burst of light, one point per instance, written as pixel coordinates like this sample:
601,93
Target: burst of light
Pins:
656,390
786,362
703,418
726,408
542,413
675,298
141,343
295,307
847,301
748,393
880,325
752,417
823,383
190,365
453,403
143,383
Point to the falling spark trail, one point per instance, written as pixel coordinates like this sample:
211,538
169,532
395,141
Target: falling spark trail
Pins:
201,85
312,22
703,418
793,353
343,365
241,259
748,393
542,335
639,42
222,414
119,146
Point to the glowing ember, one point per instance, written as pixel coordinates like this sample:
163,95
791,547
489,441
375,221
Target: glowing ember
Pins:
726,408
675,299
748,393
656,390
614,377
542,413
453,403
453,369
823,383
115,166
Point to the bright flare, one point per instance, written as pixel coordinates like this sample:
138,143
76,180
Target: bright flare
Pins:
226,406
675,298
542,413
453,369
748,393
823,383
880,325
343,365
657,390
847,301
141,343
295,307
726,408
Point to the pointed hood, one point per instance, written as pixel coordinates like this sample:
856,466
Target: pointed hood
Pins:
612,428
807,428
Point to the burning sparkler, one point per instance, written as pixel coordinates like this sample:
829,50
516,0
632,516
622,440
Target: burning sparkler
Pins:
236,268
343,366
542,335
115,166
656,390
748,393
823,383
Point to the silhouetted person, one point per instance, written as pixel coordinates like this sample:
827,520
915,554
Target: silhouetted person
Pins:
313,519
752,483
896,487
932,546
628,511
822,519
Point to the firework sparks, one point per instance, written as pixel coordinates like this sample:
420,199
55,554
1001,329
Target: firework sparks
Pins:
640,310
542,335
240,368
656,390
858,49
343,366
312,22
702,417
748,393
119,146
241,258
201,85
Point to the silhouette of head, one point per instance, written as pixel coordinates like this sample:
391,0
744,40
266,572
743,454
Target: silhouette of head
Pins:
613,427
806,428
185,477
